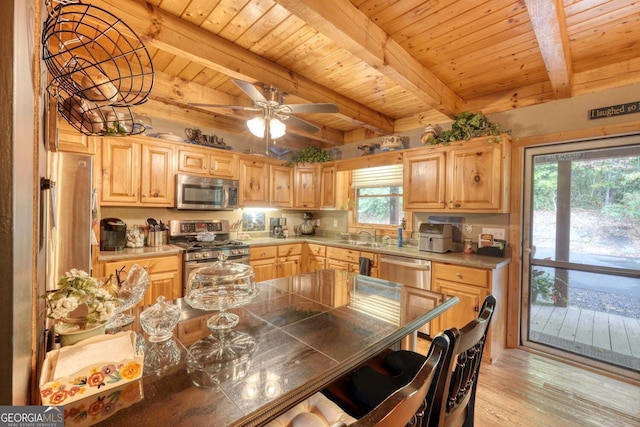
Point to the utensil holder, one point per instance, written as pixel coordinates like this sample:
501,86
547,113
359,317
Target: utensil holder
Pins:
155,238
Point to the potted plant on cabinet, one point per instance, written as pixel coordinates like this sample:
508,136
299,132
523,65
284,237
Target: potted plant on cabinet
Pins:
467,125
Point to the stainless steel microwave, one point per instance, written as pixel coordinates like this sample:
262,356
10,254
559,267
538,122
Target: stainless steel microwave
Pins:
203,193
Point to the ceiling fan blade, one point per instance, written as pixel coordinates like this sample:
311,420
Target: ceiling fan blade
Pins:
299,123
232,107
308,108
250,90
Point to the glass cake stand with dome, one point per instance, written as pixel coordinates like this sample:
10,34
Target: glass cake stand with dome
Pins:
219,287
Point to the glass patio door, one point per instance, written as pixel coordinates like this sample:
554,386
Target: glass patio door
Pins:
581,264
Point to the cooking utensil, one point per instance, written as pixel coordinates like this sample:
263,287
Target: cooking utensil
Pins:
153,224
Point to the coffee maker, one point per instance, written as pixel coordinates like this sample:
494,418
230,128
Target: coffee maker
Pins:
113,234
275,227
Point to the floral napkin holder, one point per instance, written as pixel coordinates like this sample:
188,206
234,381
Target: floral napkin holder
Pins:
58,386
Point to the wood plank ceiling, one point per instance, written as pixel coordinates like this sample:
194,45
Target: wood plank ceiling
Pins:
390,65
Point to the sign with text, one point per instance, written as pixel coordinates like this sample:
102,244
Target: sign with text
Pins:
614,110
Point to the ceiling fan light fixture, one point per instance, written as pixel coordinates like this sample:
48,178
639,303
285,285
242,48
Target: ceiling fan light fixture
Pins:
256,126
277,128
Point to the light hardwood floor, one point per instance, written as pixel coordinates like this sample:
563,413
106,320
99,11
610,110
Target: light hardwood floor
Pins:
524,389
529,390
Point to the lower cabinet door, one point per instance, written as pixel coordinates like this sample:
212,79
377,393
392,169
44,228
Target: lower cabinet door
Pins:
289,266
465,311
264,269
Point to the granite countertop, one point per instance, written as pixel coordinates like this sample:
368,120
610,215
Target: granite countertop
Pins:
144,252
472,260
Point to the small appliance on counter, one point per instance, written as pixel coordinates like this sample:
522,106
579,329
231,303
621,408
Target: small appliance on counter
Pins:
113,234
435,238
308,227
276,227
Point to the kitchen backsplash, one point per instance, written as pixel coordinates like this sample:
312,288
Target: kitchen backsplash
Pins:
328,221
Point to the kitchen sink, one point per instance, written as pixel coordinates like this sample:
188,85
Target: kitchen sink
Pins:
359,243
351,242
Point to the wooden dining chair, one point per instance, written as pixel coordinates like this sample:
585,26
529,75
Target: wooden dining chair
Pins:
408,404
454,395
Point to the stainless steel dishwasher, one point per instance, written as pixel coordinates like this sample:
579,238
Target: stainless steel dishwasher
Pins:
407,271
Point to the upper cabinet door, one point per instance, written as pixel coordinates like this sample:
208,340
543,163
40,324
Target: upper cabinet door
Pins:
157,177
328,177
424,181
254,176
281,186
120,171
474,177
307,187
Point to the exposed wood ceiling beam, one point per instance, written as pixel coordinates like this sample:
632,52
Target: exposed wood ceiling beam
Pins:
548,21
340,20
176,36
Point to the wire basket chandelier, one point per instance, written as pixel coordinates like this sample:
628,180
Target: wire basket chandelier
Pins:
99,68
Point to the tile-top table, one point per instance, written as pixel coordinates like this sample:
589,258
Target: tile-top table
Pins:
304,332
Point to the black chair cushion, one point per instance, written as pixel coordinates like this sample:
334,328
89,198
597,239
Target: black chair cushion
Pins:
370,387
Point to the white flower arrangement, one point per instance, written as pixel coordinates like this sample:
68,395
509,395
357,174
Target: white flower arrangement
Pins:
76,288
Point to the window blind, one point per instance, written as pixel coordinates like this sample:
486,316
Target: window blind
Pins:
381,176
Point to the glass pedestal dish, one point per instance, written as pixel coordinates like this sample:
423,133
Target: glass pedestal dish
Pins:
224,353
130,294
159,320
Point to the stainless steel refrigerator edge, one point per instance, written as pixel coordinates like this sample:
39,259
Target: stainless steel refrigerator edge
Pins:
71,201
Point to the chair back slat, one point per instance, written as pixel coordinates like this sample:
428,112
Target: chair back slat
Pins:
454,395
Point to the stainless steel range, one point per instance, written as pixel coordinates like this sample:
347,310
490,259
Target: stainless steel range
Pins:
188,235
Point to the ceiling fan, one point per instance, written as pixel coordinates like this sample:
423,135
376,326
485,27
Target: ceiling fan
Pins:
270,101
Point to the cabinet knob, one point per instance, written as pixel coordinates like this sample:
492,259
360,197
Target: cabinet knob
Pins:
476,308
459,275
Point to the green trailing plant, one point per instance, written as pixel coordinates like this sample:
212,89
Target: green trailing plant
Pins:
309,154
117,129
546,286
468,125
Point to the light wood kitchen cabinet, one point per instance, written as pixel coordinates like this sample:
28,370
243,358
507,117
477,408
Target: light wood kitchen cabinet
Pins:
263,262
314,257
424,181
472,285
254,182
465,176
373,261
328,180
272,262
165,274
307,186
68,139
289,260
137,173
281,186
210,162
349,260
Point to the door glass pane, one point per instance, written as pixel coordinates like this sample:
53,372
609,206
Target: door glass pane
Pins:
586,207
584,272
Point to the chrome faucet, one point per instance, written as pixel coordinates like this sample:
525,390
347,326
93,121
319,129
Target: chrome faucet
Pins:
372,234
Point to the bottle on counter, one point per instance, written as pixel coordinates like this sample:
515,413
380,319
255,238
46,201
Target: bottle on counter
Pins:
468,246
399,236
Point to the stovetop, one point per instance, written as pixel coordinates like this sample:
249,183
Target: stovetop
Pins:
187,234
193,245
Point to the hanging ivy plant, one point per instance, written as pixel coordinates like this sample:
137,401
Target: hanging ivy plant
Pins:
468,125
309,154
